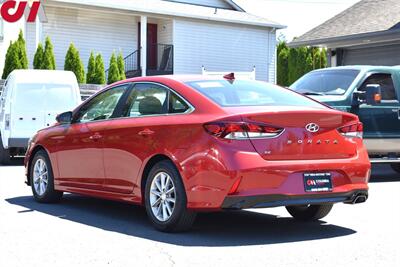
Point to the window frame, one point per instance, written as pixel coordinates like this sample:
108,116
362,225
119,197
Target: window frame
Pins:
1,29
190,110
117,109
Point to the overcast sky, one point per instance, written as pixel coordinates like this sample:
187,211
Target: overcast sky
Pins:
299,16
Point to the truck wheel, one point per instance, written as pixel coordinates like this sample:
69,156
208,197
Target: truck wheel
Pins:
165,199
309,212
395,167
5,158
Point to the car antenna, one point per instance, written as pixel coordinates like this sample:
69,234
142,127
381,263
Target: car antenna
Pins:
230,77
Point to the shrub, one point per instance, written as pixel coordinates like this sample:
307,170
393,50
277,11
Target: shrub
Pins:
91,71
49,60
74,63
121,66
100,74
113,71
12,61
22,51
38,59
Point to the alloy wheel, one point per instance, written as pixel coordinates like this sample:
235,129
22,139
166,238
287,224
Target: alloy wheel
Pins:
40,177
162,196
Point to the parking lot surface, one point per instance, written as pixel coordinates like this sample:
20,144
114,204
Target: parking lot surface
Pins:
81,231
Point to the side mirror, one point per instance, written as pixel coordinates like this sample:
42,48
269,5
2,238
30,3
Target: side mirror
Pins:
64,118
373,94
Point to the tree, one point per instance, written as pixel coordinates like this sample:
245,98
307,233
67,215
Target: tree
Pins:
113,71
21,44
49,60
91,72
74,63
121,66
283,64
12,61
38,59
100,74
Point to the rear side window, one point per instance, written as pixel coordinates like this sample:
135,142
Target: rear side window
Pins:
250,93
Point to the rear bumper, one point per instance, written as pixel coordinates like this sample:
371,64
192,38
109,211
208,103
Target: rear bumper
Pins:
268,201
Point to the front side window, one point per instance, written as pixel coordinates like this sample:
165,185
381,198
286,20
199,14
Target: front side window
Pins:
385,81
325,82
250,93
102,107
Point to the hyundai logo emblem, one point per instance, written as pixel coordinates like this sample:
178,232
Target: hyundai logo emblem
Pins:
312,127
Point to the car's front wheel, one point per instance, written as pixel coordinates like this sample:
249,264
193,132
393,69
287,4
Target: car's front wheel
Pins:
165,199
42,179
309,212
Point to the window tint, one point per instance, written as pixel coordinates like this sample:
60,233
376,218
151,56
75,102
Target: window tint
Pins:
250,93
177,105
148,99
328,82
102,106
386,83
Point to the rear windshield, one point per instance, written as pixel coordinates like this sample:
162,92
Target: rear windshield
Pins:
329,82
250,93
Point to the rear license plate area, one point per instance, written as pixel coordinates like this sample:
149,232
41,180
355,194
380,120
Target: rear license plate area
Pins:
318,182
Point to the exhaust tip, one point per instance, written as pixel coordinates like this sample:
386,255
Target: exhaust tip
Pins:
361,198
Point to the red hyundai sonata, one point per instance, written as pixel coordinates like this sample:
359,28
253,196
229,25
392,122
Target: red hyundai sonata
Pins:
180,145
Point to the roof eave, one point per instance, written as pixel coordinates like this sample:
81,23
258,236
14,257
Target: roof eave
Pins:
350,40
235,6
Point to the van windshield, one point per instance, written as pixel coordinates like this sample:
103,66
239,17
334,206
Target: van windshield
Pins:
325,82
52,97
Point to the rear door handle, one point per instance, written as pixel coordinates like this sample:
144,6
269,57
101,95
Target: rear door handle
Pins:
146,132
95,137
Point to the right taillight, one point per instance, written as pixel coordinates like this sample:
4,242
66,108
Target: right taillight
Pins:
352,130
242,130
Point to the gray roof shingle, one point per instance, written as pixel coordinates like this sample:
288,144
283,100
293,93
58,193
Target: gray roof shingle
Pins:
366,16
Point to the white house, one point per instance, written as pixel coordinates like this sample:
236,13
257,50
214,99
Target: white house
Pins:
156,36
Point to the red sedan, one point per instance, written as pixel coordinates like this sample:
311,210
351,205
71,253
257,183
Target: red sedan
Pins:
181,145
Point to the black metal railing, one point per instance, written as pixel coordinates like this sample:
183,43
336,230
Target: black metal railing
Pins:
160,59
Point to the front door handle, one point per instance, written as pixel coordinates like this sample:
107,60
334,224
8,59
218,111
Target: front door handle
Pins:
146,132
95,137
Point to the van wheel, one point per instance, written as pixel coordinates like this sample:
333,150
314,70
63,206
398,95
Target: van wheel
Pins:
165,199
42,179
309,212
5,158
395,167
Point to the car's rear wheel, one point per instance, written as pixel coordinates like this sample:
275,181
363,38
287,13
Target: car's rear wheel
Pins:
309,212
5,157
42,179
165,199
395,167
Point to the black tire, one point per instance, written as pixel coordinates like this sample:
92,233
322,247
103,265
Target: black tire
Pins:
395,167
5,158
50,195
310,212
181,219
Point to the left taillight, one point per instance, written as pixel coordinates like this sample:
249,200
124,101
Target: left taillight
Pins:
241,130
352,130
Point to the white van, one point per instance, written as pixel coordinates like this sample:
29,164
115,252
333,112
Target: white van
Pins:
31,100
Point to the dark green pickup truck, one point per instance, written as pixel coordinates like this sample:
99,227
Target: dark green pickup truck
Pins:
372,93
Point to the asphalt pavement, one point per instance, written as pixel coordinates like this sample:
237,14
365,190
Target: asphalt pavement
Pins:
82,231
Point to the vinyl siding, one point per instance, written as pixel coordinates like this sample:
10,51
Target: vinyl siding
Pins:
211,3
224,47
103,32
